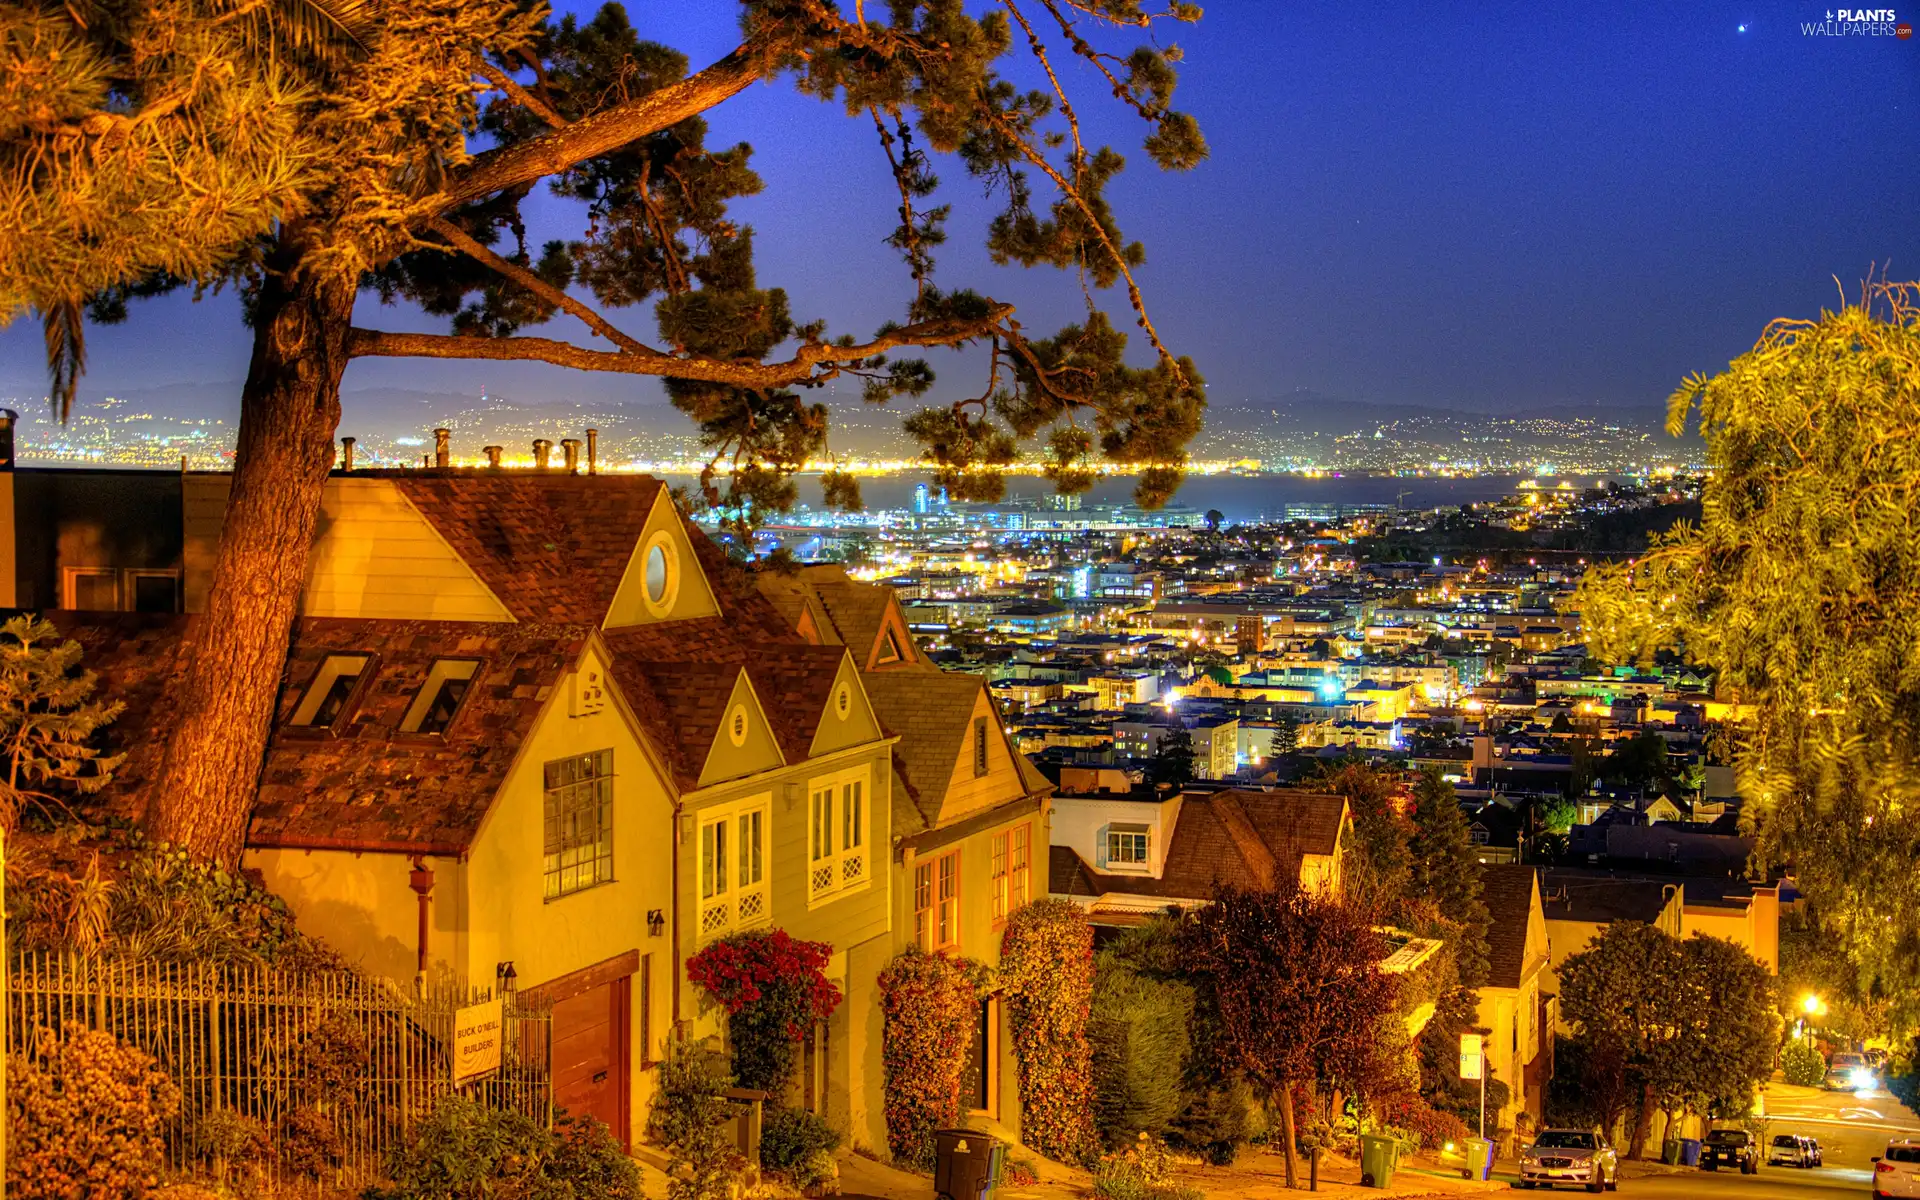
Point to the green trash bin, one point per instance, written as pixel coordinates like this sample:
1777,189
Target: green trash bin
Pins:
1378,1158
1670,1152
1479,1153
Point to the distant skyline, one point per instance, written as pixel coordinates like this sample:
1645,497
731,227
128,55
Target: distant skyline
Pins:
1483,206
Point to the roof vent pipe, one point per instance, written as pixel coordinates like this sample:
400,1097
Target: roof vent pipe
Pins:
593,451
346,454
493,454
441,457
570,448
542,451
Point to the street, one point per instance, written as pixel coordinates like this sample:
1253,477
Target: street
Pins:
1852,1129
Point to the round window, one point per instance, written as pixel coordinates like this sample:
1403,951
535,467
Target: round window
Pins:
843,701
659,574
737,725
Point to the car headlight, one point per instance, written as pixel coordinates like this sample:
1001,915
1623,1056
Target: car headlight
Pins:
1862,1078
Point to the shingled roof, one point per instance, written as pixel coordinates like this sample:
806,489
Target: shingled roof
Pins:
135,657
370,787
932,712
855,612
1235,838
551,547
1508,891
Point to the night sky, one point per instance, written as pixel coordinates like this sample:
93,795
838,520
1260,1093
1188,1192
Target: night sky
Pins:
1480,205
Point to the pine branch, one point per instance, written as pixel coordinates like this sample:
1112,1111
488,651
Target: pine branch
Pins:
460,240
551,153
520,95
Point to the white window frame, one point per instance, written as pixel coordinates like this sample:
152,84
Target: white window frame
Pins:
741,897
1119,830
70,586
840,857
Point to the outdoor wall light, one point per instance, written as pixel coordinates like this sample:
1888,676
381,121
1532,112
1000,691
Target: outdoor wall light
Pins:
656,922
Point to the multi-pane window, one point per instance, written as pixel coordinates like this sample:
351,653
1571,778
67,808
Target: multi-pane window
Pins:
923,906
733,860
837,858
946,900
998,877
440,696
1127,845
1021,875
579,822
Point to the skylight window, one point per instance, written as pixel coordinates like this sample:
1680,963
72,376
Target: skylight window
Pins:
439,697
332,687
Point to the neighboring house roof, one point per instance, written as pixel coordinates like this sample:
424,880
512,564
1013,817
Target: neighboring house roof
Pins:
1069,875
135,657
552,547
1601,897
1508,891
370,787
855,613
1237,839
933,714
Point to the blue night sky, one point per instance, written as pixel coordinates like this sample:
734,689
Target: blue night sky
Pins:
1483,205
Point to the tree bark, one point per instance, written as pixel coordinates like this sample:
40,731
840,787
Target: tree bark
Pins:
1289,1135
1642,1121
222,707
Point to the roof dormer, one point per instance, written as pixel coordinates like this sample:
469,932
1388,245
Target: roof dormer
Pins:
663,579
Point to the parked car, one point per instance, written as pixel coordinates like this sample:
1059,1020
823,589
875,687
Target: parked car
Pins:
1574,1156
1793,1150
1850,1072
1730,1148
1896,1174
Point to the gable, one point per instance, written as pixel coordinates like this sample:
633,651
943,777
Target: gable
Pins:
848,719
893,646
376,555
744,743
972,789
663,579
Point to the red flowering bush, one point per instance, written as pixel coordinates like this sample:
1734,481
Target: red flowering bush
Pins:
1046,965
929,1002
1432,1126
774,989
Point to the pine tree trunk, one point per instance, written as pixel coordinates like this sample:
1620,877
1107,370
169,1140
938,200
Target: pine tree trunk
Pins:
1642,1121
209,769
1289,1134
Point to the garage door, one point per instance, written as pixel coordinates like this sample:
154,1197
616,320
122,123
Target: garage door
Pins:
591,1051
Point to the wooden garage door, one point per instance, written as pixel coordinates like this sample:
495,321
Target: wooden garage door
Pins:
591,1053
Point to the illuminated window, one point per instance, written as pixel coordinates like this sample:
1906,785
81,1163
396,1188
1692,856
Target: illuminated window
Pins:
1127,845
333,687
1021,876
923,906
946,901
439,697
579,823
733,867
998,876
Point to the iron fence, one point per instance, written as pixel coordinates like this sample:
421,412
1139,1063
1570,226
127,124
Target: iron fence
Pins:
334,1066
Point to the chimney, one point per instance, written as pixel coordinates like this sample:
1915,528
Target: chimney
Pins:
493,454
346,454
593,451
441,458
542,450
570,447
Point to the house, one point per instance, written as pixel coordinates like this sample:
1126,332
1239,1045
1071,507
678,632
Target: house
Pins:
1516,1008
535,720
970,812
1126,858
1580,902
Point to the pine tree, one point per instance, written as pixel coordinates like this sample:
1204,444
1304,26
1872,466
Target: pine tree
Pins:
48,717
1445,871
306,150
1172,760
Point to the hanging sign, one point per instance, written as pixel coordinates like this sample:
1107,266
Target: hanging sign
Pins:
1471,1056
477,1034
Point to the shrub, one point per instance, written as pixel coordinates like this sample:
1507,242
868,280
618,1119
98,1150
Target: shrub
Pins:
1141,1171
814,1172
774,989
467,1151
789,1135
309,1145
1803,1063
1422,1123
1046,965
1019,1173
86,1116
1139,1031
229,1139
928,1002
689,1117
1216,1122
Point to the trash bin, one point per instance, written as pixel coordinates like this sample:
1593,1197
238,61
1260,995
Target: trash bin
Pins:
1378,1158
1479,1158
966,1164
1670,1152
1689,1152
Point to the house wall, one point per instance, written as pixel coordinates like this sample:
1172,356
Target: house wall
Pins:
855,924
83,518
1082,823
970,792
512,921
361,905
